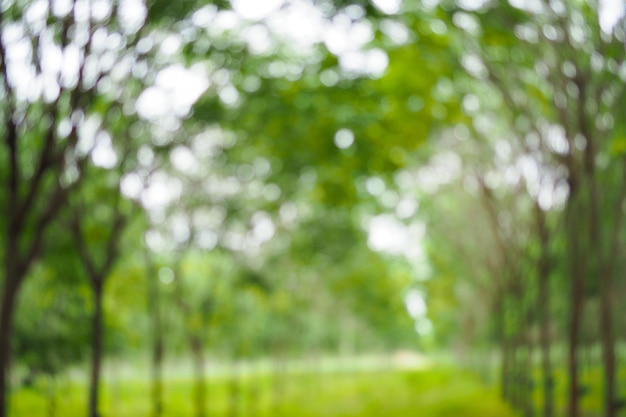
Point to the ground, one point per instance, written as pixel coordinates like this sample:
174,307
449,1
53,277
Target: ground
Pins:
431,392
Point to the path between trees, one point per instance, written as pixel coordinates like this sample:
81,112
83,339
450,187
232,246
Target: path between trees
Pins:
435,391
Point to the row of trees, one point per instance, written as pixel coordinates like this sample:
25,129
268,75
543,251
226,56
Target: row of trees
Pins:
542,179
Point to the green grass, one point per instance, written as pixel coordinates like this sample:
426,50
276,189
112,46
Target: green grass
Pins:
591,403
425,393
590,377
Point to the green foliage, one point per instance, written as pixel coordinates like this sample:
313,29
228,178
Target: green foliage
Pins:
50,331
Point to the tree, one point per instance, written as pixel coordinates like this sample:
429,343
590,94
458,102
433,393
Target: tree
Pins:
98,250
65,78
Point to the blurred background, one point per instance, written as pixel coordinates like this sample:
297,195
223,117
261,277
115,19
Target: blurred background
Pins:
312,208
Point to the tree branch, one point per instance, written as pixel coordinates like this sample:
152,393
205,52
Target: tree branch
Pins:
46,161
55,202
11,137
81,246
56,199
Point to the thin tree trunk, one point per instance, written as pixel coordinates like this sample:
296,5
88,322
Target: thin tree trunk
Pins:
96,349
543,306
199,377
516,375
577,300
505,352
608,345
577,266
154,307
528,379
524,360
52,397
546,365
157,374
573,336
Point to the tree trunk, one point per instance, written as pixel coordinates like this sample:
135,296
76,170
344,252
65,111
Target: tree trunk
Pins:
577,299
52,397
577,265
6,325
529,409
543,306
516,375
505,351
544,336
157,375
199,377
12,280
608,345
96,348
154,307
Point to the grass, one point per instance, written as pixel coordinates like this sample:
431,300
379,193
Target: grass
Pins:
590,378
434,392
591,402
